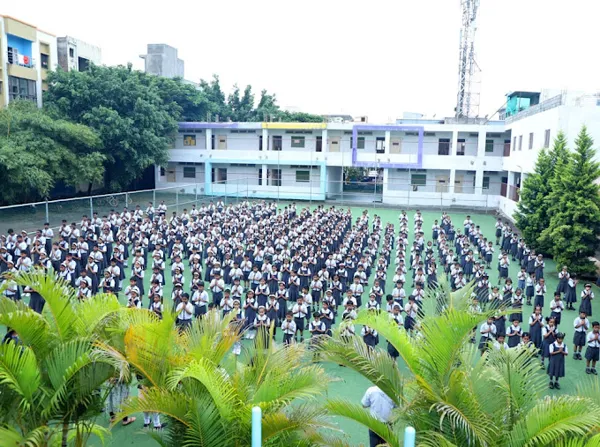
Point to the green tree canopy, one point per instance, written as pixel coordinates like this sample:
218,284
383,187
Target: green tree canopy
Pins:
37,151
574,224
533,216
127,111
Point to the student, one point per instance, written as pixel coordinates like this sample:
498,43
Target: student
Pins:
226,303
272,311
536,324
288,327
250,308
556,367
586,300
327,317
372,304
540,291
581,324
592,352
299,312
370,336
549,337
500,344
514,333
157,306
529,288
521,279
571,292
563,279
411,309
200,300
487,331
517,305
556,308
185,312
316,328
262,323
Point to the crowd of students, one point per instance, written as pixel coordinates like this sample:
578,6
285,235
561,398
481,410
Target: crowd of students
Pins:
299,271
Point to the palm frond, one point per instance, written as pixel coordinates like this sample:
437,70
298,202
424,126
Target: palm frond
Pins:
59,296
101,310
295,421
157,400
32,327
374,364
279,390
207,428
19,372
10,437
214,379
553,420
356,413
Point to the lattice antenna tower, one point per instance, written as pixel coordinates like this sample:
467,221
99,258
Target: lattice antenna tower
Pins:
467,101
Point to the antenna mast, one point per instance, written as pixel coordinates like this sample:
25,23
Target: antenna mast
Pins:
467,103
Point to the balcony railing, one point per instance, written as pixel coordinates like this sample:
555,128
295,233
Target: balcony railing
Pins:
22,61
551,103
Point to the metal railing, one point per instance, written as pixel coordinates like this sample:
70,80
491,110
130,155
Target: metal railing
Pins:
550,103
435,193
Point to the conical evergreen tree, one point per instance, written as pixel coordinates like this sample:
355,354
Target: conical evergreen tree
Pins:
575,209
532,215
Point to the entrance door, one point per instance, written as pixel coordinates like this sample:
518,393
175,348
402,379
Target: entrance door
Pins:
171,177
396,146
334,144
458,184
441,183
222,144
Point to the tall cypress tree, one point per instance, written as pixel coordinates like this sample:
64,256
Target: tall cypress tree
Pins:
532,215
575,211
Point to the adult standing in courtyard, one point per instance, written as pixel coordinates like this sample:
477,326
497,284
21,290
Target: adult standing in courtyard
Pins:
380,407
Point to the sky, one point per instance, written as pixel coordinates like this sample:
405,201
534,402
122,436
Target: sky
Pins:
378,58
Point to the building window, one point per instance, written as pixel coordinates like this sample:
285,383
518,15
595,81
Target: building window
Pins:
45,60
379,145
520,142
298,142
277,142
189,172
71,52
489,145
302,176
531,141
360,143
418,180
162,171
444,146
20,88
83,64
189,140
515,143
462,146
275,177
486,182
260,140
260,177
547,138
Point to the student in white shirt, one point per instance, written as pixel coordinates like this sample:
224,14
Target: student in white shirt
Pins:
581,325
487,331
288,327
185,312
299,311
592,353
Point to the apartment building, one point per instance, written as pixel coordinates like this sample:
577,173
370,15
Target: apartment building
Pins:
77,55
472,163
26,55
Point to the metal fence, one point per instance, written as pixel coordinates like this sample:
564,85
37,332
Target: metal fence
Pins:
372,193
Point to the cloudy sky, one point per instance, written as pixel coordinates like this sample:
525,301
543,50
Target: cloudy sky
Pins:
378,58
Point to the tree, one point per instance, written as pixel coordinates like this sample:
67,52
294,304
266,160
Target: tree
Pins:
215,97
51,380
207,394
533,210
574,224
184,101
450,398
127,111
37,151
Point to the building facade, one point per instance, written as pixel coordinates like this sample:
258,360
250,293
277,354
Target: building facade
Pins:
26,55
77,55
469,163
163,60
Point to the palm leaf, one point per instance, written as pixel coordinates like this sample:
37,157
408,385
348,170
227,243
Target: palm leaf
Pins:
295,421
19,371
10,437
215,381
350,410
32,327
156,400
554,420
374,364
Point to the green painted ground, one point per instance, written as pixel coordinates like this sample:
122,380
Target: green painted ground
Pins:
349,384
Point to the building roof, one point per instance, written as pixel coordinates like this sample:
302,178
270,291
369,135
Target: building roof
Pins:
523,94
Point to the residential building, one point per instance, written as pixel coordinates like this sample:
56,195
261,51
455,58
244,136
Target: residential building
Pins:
26,55
453,162
77,55
162,60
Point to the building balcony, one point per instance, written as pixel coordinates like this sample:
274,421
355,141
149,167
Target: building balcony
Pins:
23,72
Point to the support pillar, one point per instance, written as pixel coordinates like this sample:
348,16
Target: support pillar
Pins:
323,181
479,181
481,144
265,140
207,178
454,146
452,181
387,143
324,143
265,172
208,139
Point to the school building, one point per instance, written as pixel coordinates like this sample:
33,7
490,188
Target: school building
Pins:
474,163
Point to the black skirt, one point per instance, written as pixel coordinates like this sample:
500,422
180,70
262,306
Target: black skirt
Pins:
556,367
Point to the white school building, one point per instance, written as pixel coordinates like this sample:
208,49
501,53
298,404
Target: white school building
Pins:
471,163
